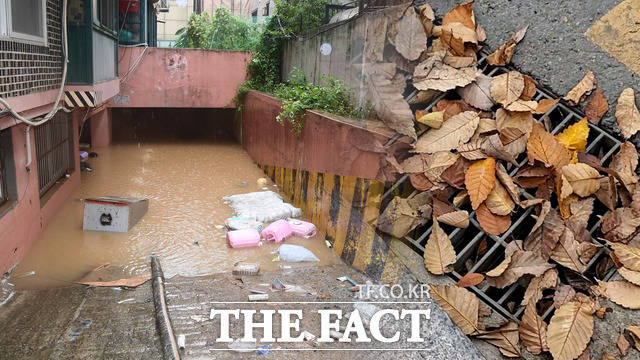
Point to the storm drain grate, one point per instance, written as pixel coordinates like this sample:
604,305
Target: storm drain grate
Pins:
479,252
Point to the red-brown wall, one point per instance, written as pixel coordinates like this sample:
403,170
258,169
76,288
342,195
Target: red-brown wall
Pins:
179,78
21,225
328,144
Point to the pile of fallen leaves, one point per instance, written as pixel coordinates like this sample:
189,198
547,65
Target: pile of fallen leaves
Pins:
467,158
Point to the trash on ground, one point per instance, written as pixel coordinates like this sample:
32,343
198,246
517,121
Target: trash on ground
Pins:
328,244
263,206
113,214
243,238
335,335
295,253
262,181
242,346
277,285
264,349
346,278
307,336
249,269
84,166
131,282
277,231
257,291
302,228
181,341
126,300
84,155
219,227
285,267
196,318
366,311
258,297
240,223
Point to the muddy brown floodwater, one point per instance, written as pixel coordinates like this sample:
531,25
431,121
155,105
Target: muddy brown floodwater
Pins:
184,183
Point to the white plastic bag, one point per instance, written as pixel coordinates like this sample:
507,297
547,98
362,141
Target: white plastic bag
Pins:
295,253
262,206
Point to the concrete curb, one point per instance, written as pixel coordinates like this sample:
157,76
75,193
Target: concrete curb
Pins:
163,322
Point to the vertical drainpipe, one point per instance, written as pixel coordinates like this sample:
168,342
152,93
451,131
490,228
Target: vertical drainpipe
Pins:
27,133
163,322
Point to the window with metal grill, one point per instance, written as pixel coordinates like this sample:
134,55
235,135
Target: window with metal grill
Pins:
107,13
54,151
7,171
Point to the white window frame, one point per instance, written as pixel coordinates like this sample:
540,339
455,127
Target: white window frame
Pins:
6,30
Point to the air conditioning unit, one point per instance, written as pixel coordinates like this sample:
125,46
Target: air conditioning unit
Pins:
163,6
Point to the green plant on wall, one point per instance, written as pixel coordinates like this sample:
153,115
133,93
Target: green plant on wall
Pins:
222,31
298,96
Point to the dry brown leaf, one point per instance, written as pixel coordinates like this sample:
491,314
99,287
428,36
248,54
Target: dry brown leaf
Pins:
564,294
546,232
458,219
499,270
584,179
507,182
411,39
620,224
597,106
434,74
624,164
575,136
507,88
503,55
634,331
490,223
627,114
533,330
607,356
582,89
545,105
628,255
454,174
427,16
529,88
479,180
566,252
460,31
622,293
514,129
533,293
505,338
522,106
492,146
454,132
608,192
522,263
400,217
461,198
131,282
432,119
499,202
630,275
438,252
477,94
586,251
462,13
570,330
460,304
472,150
546,148
437,163
387,100
414,164
577,222
471,279
623,344
420,182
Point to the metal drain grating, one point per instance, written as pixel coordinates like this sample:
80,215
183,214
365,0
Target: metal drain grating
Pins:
468,241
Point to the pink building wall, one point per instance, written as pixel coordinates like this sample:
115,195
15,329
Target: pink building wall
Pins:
178,78
21,225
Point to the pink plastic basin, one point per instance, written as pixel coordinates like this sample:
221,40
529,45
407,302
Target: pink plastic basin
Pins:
243,238
277,231
302,228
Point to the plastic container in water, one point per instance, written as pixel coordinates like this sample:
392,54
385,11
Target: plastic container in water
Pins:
302,228
250,269
243,238
277,231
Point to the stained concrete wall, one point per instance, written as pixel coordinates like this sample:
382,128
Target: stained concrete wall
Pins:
26,216
179,78
333,171
328,143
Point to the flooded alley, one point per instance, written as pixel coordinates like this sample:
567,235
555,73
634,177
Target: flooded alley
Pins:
184,181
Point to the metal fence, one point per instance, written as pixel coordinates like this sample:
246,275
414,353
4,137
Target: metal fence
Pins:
54,150
467,242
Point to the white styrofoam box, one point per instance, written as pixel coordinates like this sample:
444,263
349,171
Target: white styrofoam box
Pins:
113,214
